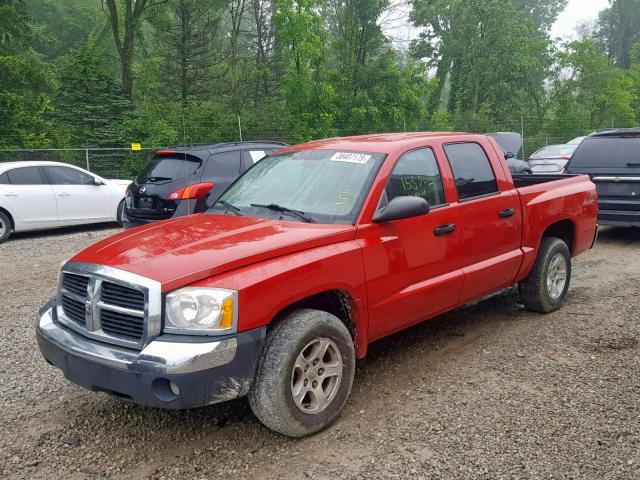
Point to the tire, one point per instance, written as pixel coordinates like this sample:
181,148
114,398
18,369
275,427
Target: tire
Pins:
119,213
542,291
5,227
289,347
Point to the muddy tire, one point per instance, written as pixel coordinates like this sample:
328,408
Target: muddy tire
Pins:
305,374
545,289
5,226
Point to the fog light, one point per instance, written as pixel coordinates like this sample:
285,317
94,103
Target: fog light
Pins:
175,389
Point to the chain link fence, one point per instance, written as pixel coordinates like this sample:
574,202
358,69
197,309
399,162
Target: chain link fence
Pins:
124,163
120,163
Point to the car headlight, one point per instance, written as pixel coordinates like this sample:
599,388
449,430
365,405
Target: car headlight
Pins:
201,311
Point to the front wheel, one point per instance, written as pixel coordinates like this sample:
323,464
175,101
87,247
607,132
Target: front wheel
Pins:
305,374
546,287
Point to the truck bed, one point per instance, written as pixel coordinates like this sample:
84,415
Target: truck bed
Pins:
528,179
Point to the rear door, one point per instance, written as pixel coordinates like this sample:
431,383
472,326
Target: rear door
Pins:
30,198
79,198
613,163
488,219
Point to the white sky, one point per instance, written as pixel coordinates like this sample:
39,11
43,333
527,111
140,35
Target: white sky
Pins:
577,11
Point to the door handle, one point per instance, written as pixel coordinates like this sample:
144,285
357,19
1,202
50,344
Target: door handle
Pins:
444,229
10,194
507,212
64,194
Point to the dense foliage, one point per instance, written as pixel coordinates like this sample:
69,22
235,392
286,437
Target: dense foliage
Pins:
97,73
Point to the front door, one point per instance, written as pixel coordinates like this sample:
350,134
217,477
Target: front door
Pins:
411,265
78,198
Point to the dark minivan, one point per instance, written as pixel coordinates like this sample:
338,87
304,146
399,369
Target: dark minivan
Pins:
612,159
188,179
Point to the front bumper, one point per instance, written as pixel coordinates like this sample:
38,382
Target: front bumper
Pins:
205,370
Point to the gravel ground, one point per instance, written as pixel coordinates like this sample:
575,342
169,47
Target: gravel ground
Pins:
487,391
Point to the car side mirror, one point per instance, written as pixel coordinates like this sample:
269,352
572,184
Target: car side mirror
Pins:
402,207
509,155
97,182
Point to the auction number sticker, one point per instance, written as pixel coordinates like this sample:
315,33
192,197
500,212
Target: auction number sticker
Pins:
348,157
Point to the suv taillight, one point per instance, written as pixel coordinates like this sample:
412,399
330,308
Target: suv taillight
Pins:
192,192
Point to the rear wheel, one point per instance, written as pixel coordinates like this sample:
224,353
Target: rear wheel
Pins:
305,374
5,226
120,213
545,289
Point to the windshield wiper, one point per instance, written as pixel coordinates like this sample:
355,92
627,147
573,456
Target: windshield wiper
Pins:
230,206
157,179
280,208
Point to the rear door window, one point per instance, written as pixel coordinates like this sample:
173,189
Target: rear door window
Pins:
68,176
163,168
4,179
25,176
471,170
610,154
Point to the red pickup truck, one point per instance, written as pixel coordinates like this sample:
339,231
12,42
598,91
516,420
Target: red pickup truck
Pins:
312,254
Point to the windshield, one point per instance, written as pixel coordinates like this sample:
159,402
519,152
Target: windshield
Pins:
554,152
163,168
327,186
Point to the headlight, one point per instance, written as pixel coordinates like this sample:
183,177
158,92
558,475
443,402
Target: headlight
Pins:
201,311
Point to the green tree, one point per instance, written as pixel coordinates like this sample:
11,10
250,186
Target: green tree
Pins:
488,55
25,86
89,103
308,96
589,92
125,18
619,29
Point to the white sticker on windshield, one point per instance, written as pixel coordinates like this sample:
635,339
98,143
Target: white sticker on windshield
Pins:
360,158
257,155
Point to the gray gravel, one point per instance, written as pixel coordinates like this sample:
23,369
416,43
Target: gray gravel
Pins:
486,392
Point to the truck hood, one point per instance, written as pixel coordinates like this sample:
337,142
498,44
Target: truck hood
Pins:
181,251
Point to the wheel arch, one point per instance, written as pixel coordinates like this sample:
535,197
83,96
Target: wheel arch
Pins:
565,230
338,302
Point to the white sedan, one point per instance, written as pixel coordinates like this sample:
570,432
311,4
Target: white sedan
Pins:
40,195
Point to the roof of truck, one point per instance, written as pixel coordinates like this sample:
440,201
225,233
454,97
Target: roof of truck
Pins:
378,142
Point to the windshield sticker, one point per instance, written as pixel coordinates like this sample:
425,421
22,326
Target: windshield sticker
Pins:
359,158
257,155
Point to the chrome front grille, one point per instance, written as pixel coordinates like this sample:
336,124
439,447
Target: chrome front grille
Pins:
109,305
74,310
114,294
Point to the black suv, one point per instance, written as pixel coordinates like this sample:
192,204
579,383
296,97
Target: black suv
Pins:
612,159
189,179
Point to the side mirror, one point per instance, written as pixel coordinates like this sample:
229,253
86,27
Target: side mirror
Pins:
97,182
509,155
402,207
